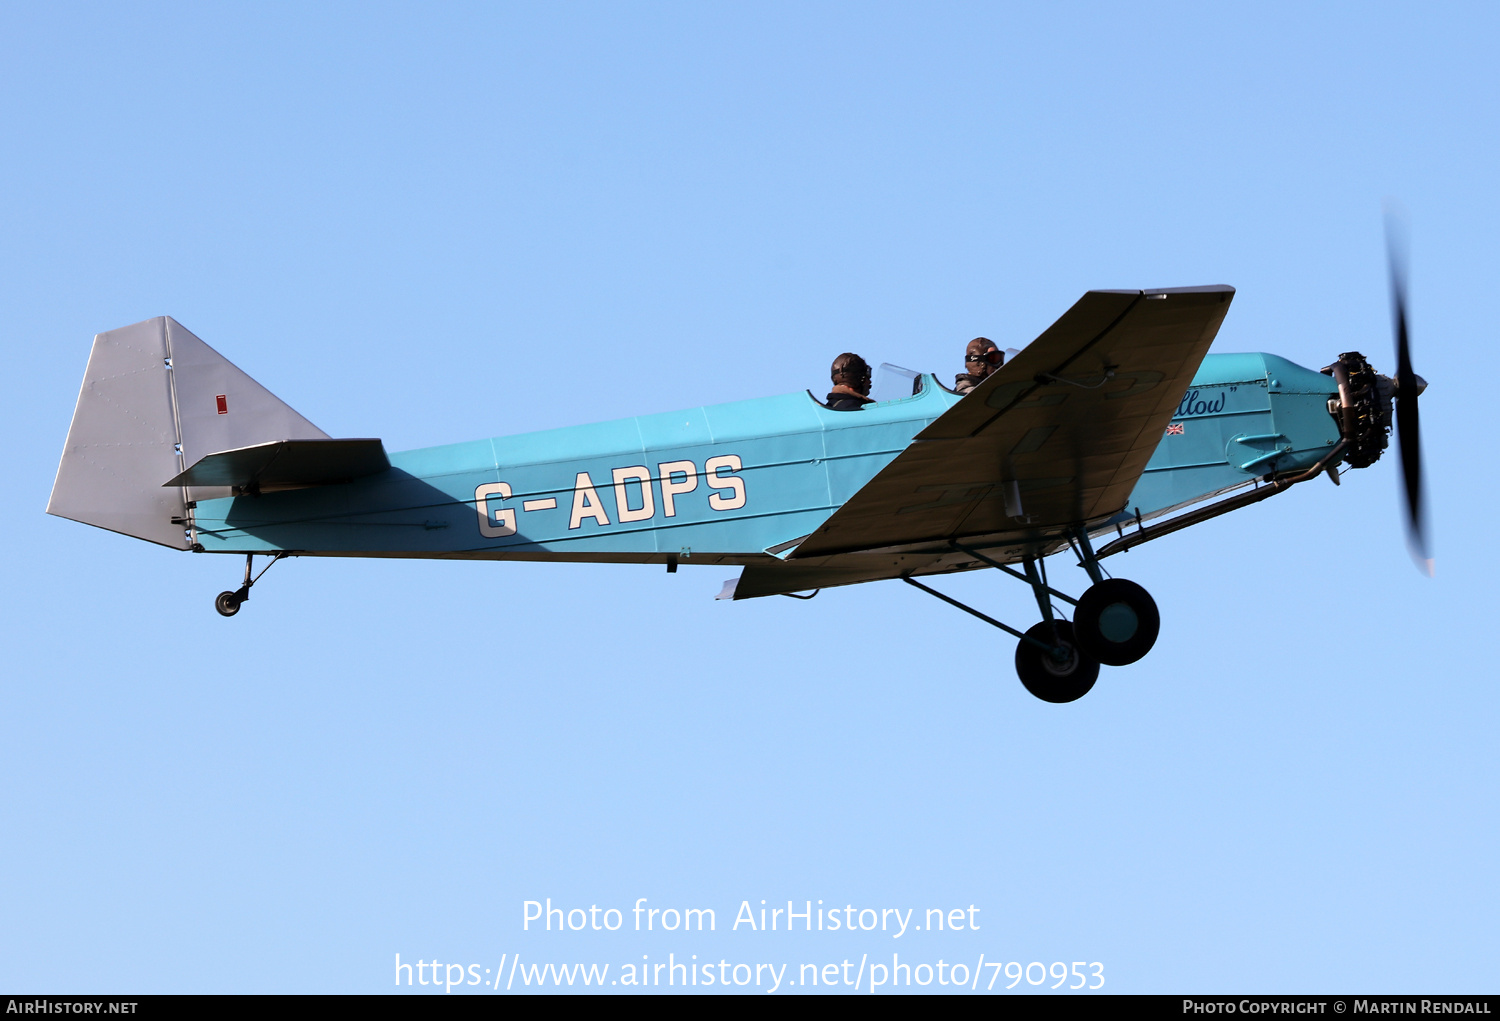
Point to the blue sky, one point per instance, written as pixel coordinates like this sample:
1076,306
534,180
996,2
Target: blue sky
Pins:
432,224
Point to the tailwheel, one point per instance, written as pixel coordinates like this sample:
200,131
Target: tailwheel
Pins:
1055,678
228,603
1116,622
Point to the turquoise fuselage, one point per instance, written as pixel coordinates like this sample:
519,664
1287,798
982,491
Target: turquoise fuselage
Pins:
729,482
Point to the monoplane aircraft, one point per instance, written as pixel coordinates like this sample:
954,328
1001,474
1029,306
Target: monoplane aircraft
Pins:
1114,425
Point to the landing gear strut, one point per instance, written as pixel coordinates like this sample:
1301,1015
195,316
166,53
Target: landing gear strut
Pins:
1114,623
228,603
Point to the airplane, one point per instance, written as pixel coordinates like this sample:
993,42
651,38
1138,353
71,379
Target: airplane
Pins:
1115,425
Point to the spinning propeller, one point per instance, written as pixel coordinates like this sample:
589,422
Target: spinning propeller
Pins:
1408,387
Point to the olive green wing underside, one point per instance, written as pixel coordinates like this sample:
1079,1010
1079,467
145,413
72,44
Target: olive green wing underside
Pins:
1056,437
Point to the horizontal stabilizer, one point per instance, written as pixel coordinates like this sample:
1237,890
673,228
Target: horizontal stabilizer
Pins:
287,464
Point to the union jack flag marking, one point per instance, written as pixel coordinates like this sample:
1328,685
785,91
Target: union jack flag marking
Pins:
1174,430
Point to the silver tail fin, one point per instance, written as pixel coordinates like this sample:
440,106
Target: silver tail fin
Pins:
156,399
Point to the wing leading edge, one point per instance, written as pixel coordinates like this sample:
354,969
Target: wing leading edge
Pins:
1055,438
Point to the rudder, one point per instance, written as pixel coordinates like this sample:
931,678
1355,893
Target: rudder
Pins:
155,399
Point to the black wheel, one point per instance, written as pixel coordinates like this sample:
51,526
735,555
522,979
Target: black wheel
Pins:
1051,679
1116,622
227,603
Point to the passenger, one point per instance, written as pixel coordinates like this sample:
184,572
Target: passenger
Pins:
851,383
981,358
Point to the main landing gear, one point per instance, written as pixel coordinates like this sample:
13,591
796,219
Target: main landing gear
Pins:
1052,666
228,603
1115,623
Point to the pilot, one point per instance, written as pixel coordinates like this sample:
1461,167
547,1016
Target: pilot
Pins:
981,358
851,383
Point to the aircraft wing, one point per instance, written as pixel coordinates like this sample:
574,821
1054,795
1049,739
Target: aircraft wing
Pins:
1056,437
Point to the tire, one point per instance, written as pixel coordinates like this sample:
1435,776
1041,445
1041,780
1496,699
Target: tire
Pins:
227,603
1116,622
1048,679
